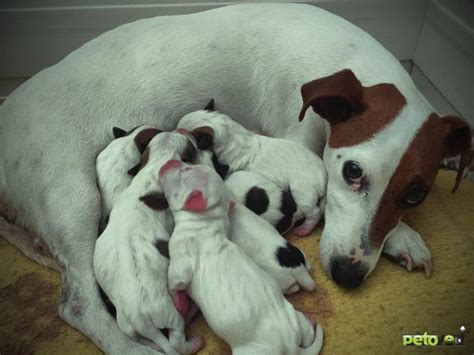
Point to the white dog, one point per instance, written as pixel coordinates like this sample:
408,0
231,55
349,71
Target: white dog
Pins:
119,162
131,258
265,199
289,165
240,302
386,136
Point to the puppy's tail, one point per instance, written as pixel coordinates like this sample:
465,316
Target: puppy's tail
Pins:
317,344
303,278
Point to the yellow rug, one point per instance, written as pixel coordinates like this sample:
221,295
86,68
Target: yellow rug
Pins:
371,320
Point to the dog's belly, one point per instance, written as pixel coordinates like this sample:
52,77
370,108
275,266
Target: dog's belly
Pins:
156,70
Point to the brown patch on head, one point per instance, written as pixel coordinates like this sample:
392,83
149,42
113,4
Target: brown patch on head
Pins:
144,137
204,137
355,113
155,200
190,153
35,299
144,158
418,168
162,246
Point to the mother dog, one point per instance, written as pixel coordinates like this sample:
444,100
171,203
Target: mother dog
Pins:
382,152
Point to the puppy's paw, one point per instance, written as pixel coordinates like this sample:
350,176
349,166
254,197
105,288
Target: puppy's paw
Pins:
408,248
303,230
181,302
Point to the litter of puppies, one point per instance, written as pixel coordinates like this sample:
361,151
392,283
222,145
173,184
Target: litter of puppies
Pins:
175,237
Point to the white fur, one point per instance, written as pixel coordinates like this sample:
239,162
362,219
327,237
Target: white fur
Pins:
289,165
127,264
112,165
260,241
156,70
240,182
241,303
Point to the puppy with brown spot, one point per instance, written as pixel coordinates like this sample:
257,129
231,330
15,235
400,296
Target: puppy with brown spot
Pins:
265,198
131,259
287,164
119,162
241,303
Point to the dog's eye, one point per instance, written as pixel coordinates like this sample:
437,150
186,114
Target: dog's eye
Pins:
352,172
414,196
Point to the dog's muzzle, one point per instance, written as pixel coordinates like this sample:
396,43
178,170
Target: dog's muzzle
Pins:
346,273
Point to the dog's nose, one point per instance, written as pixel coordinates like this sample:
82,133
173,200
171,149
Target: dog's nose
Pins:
346,273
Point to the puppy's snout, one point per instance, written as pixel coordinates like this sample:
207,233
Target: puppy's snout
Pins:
169,165
346,273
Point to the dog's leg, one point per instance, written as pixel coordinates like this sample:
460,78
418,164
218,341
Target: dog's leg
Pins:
76,215
408,248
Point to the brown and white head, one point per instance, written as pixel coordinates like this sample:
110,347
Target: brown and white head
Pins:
382,157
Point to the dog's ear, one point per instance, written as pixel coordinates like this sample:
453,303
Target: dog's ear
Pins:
204,137
335,98
134,170
195,201
190,153
155,200
457,141
210,105
119,132
144,137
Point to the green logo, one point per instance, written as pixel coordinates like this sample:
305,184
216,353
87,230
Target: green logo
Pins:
426,339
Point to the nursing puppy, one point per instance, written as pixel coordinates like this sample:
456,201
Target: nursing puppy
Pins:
265,199
131,257
289,165
119,162
284,262
250,312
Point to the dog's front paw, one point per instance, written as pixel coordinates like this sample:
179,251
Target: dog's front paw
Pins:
408,248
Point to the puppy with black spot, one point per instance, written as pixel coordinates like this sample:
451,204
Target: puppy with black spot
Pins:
119,162
289,165
241,303
131,256
265,199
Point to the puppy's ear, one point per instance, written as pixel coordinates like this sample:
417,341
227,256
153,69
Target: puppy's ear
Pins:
155,200
335,98
204,137
210,105
190,153
195,202
134,171
119,132
144,137
458,141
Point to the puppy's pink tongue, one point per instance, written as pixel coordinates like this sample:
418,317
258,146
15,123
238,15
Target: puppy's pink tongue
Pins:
181,302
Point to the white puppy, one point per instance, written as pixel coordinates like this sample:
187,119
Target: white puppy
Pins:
257,237
289,165
284,262
131,257
118,163
265,199
241,303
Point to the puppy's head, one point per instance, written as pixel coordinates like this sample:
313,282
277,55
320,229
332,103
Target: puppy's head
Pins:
382,157
194,188
210,128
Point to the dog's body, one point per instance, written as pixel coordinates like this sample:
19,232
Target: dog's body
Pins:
264,198
131,258
287,164
157,70
240,302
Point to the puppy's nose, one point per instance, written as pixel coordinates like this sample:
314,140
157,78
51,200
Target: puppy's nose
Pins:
346,273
